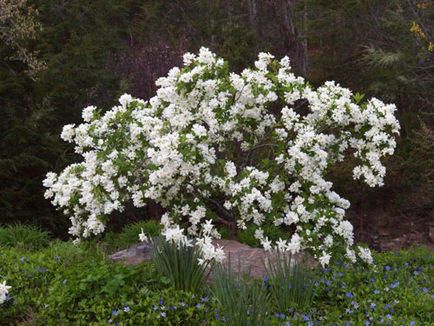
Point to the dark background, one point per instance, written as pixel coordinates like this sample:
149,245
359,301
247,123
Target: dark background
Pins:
93,51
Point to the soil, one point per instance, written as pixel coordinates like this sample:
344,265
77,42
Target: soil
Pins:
383,231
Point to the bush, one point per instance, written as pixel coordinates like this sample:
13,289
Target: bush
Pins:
215,146
24,236
130,233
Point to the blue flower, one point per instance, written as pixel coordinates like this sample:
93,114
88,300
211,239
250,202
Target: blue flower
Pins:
155,308
115,312
127,308
389,316
305,317
367,323
340,274
387,268
425,290
204,299
372,279
22,259
372,305
163,314
198,305
355,304
376,291
394,285
280,315
161,301
41,269
387,306
412,323
265,281
349,295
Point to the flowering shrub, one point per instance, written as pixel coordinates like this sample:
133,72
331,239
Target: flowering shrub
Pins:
4,292
218,147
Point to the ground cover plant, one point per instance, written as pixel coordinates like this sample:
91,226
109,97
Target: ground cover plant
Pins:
77,284
214,146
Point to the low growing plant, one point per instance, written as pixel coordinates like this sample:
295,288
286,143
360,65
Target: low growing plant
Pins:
25,236
290,283
180,263
129,234
240,301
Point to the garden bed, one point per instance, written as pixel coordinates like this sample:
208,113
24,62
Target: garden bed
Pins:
65,284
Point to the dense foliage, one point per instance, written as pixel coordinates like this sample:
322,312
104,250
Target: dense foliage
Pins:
70,284
212,145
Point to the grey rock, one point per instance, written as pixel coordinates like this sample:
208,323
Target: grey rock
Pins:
243,258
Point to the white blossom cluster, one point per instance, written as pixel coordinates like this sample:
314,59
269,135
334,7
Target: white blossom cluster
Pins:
214,146
4,292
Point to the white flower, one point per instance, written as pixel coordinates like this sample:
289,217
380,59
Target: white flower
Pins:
365,255
176,234
324,259
4,292
125,99
142,236
222,146
88,112
266,244
68,133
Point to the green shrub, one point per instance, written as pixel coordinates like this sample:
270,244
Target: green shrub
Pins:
130,235
76,285
24,236
180,264
247,236
240,301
